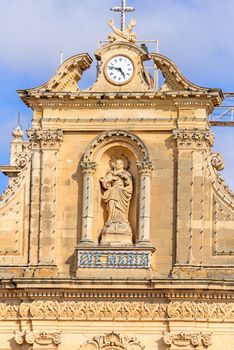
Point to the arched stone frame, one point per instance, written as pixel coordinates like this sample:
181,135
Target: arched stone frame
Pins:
145,167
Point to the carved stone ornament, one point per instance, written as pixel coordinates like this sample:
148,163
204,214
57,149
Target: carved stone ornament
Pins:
217,161
121,310
187,339
119,136
220,186
22,159
88,167
193,137
112,341
42,338
122,35
45,137
117,188
145,168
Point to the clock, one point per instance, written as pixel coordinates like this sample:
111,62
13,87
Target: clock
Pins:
119,70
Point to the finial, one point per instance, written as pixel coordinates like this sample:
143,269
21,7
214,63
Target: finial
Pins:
17,132
61,56
123,9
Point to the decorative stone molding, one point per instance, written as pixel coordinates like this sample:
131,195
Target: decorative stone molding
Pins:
119,311
42,338
217,161
88,167
145,168
187,339
94,101
45,136
112,341
22,159
119,136
193,137
211,295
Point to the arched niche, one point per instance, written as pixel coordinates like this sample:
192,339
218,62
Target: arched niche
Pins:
95,164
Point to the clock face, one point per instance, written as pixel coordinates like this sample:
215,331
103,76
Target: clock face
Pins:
119,70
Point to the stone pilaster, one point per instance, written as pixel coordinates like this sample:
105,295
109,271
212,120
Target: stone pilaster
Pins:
45,145
88,169
145,171
193,145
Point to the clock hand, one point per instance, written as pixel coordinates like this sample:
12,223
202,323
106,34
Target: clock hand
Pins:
121,71
118,69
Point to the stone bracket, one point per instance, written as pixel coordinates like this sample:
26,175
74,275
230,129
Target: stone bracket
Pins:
41,338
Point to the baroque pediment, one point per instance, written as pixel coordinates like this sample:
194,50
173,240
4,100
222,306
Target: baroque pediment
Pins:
174,79
67,76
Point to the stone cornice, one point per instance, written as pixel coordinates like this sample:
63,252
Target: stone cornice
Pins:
133,294
102,100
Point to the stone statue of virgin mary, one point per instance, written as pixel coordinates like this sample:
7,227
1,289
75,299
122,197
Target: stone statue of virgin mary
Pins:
117,189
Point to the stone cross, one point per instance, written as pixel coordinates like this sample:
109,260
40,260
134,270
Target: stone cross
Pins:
123,9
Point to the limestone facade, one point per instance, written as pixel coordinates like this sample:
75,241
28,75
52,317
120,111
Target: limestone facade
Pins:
169,284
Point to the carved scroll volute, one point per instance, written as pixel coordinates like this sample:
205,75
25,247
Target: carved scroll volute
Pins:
193,340
217,161
42,338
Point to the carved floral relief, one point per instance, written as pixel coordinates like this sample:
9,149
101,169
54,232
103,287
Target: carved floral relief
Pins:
112,341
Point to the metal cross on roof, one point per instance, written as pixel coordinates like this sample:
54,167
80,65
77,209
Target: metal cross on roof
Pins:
123,9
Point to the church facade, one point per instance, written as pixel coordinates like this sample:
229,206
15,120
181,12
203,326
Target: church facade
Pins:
116,227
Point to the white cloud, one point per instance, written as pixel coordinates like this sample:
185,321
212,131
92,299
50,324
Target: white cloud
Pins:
195,33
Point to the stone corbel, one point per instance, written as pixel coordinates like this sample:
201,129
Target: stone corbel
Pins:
193,340
42,338
193,138
145,169
45,137
88,169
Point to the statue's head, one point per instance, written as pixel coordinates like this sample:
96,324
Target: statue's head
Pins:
119,164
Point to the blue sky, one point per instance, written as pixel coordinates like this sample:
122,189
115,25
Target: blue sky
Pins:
195,34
